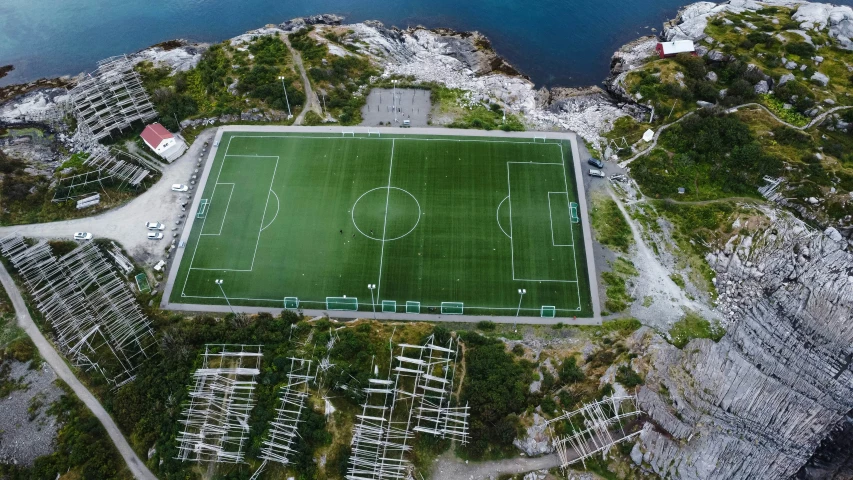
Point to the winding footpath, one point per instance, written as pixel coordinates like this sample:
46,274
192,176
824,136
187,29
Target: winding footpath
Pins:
812,123
312,103
52,357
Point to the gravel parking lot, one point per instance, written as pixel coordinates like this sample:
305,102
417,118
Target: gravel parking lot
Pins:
126,224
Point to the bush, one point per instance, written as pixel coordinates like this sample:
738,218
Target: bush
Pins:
486,325
791,137
570,372
628,377
693,326
801,49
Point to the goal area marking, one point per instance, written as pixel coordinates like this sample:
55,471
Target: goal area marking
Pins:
342,303
291,303
202,208
389,306
452,308
413,307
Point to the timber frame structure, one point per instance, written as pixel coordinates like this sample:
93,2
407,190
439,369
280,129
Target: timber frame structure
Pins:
416,400
595,427
96,318
216,419
110,98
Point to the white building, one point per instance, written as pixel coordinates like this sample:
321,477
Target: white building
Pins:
163,142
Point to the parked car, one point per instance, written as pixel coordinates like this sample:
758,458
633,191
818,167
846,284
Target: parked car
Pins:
596,173
154,226
407,123
82,236
155,236
180,187
595,162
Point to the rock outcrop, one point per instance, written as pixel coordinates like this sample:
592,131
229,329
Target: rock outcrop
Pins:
759,403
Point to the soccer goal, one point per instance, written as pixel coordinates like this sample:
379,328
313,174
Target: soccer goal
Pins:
548,311
389,306
413,307
344,133
373,132
342,303
202,208
539,137
291,303
573,211
452,308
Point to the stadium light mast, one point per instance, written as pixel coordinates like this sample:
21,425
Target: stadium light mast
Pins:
289,113
219,282
372,287
394,99
521,292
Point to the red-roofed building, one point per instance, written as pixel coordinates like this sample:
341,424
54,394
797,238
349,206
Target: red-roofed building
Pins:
163,142
671,49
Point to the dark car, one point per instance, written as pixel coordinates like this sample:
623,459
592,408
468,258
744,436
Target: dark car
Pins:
595,162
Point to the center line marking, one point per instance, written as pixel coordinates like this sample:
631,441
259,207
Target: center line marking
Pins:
385,224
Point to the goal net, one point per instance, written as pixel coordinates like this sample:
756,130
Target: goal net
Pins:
548,312
202,208
342,303
291,303
573,211
413,307
389,306
452,308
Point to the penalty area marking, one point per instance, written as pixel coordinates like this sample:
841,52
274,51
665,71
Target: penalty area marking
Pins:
277,209
498,217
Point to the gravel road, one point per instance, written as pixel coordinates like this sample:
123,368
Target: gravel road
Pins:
52,357
126,224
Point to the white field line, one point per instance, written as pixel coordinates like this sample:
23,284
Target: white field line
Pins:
385,224
498,217
509,196
198,240
277,209
264,216
571,226
391,138
551,218
231,194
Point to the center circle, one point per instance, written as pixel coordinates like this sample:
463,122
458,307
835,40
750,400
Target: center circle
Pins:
388,213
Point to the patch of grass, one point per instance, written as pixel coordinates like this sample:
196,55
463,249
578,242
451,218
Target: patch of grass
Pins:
678,279
693,326
618,298
624,326
611,227
628,377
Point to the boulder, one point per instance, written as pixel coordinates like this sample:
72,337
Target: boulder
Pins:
711,77
833,234
791,65
812,200
762,87
716,56
817,59
704,104
786,78
636,454
820,78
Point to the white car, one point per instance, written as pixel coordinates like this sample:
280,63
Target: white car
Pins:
155,236
82,236
596,173
154,226
180,187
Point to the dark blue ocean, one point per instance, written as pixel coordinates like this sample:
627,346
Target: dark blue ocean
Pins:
555,42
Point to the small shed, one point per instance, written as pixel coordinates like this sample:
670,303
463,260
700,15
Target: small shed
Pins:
671,49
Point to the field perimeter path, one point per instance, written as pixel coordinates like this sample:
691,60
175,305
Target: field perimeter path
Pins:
52,357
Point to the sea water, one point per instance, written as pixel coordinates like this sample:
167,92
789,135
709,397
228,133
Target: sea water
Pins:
555,42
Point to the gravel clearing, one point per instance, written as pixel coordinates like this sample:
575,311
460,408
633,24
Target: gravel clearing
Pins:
25,436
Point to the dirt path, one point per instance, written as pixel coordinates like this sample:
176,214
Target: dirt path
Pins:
52,357
812,123
448,467
311,101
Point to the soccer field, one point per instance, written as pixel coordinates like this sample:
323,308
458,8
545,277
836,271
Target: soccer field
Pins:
452,225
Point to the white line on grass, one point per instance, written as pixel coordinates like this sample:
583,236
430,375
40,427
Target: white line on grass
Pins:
277,209
509,196
198,240
498,217
224,216
385,224
551,219
264,216
571,226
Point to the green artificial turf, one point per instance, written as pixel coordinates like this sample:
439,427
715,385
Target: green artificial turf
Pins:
312,217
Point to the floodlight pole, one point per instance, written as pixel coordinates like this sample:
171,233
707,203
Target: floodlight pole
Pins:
521,292
372,287
394,99
219,282
289,113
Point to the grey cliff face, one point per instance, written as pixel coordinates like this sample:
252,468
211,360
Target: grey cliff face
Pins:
758,404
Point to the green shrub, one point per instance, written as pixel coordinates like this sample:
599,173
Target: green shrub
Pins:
628,377
570,372
693,326
486,325
801,49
